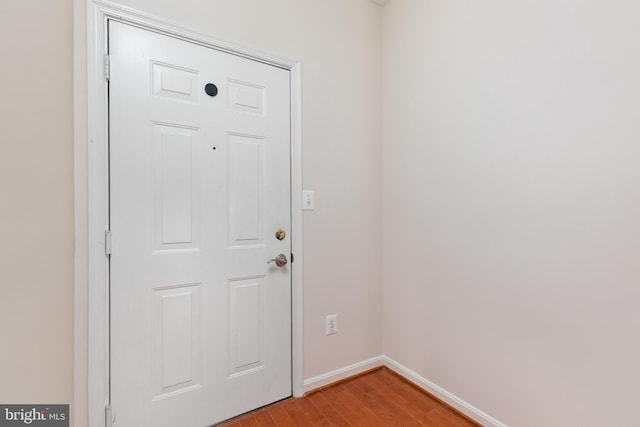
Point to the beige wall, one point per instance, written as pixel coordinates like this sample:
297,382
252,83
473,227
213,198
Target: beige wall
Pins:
36,206
511,210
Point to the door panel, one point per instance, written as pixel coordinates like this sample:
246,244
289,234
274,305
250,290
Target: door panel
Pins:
200,323
177,341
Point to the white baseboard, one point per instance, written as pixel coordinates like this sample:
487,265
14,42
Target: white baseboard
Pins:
342,373
442,394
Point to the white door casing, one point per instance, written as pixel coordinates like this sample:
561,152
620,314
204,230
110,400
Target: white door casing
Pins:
200,323
91,364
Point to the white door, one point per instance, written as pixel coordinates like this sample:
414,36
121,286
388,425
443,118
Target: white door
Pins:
199,187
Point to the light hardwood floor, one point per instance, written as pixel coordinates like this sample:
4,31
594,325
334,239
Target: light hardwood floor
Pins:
376,398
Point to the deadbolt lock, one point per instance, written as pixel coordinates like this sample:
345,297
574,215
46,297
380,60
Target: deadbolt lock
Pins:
281,234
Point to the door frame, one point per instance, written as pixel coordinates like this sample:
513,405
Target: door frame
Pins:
96,284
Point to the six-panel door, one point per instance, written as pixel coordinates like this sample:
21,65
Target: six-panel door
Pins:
199,184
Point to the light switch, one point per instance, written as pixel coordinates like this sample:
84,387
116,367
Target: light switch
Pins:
307,200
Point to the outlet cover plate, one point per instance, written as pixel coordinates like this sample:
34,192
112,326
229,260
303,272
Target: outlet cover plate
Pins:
331,325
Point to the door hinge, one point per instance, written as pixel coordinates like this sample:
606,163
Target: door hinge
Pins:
107,242
109,418
107,67
292,258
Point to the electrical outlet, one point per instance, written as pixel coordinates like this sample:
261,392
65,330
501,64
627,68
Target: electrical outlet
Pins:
331,325
307,200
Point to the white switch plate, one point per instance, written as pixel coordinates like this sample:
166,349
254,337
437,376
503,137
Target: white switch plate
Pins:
331,325
307,200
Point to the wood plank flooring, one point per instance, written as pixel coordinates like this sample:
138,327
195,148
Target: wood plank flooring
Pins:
376,398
